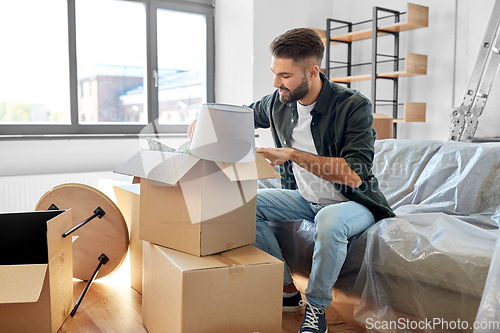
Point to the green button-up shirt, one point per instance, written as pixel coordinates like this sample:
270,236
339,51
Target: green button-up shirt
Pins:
341,126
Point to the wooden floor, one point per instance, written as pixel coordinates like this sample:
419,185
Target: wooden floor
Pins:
110,305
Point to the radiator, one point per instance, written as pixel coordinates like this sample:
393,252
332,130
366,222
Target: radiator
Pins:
22,193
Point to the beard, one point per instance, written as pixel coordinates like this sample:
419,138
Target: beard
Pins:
297,94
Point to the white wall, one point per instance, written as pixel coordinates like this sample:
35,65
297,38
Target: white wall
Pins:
273,18
38,157
234,51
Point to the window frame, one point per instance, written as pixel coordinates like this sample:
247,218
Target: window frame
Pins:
205,7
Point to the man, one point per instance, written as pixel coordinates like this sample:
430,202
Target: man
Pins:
324,141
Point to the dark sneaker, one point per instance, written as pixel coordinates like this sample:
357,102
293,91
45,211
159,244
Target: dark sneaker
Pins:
291,304
314,319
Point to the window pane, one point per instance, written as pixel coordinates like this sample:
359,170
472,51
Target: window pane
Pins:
34,65
111,61
182,65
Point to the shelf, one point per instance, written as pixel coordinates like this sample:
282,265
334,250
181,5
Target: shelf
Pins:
417,17
415,64
413,113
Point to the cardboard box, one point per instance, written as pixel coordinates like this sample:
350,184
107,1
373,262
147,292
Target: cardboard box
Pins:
383,124
128,200
194,205
36,271
237,291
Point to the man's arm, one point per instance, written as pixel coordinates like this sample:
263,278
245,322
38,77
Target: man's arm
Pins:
333,169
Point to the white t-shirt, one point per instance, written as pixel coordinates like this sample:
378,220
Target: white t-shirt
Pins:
311,187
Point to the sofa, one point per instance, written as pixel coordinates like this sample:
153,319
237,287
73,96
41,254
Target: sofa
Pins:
427,266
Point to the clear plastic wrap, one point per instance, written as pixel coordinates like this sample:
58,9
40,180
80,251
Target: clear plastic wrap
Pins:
398,164
424,268
461,179
488,316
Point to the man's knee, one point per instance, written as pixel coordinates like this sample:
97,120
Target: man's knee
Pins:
331,222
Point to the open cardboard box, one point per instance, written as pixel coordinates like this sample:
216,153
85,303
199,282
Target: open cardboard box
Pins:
236,291
195,205
128,200
36,271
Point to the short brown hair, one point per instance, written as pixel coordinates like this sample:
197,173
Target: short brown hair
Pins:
298,44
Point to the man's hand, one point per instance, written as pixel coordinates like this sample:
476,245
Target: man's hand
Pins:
334,169
276,156
191,128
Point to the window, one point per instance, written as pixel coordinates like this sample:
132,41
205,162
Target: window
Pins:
182,66
111,61
104,66
34,84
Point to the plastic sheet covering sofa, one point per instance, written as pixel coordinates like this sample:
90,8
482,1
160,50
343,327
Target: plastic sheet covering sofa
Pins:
428,264
488,315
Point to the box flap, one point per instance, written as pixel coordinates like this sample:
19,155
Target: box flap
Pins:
247,255
21,283
256,169
55,228
159,166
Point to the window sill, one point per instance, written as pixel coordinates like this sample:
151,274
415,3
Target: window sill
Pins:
87,136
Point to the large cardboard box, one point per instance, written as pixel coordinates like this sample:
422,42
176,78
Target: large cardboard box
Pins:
194,205
128,200
36,270
235,291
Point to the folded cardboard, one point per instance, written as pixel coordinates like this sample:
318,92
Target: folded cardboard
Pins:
127,199
195,205
236,291
36,270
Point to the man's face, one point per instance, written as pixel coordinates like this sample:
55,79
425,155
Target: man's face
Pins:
290,79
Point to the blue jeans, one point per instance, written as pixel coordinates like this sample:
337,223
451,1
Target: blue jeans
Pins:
335,224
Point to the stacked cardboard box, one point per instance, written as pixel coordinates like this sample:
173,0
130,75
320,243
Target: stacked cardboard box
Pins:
127,199
197,216
234,291
36,270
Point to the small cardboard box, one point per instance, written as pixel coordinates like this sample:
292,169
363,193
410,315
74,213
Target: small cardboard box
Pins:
236,291
36,271
128,200
194,205
383,124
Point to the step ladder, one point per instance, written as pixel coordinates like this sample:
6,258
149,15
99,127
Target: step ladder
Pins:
464,119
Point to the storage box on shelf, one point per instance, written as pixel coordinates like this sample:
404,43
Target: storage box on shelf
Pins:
383,125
